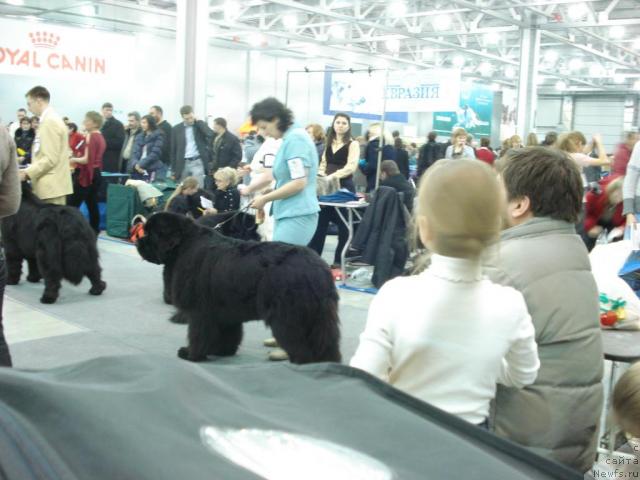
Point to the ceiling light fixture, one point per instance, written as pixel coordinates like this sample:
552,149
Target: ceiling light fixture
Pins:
337,32
577,11
458,61
492,37
619,78
576,64
485,69
393,44
561,85
256,39
150,21
427,53
88,10
397,9
290,21
617,32
636,85
551,56
442,22
231,10
510,71
596,70
636,44
15,3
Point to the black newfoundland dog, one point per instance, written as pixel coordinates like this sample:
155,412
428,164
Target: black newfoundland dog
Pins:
57,242
218,283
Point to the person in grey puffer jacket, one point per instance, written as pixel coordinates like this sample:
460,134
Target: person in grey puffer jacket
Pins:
9,204
631,187
541,255
147,151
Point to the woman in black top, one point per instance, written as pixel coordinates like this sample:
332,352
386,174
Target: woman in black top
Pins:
402,157
339,160
24,138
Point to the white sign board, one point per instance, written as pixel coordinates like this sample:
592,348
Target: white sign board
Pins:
39,49
424,91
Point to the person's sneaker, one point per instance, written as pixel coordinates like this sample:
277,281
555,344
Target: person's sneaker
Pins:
278,355
270,342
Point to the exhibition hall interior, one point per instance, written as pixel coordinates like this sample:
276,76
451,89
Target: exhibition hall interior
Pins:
320,239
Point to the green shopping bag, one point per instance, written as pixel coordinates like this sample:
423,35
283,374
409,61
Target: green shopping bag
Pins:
123,203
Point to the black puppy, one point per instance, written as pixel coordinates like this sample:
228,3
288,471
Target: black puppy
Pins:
57,242
218,283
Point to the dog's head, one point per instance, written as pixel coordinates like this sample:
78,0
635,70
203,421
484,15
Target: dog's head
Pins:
164,233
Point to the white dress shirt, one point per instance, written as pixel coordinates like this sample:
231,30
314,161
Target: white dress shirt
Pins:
447,336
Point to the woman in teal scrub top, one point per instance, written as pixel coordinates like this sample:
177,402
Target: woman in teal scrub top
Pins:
295,168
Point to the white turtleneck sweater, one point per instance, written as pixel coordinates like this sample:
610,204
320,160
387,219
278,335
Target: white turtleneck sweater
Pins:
447,336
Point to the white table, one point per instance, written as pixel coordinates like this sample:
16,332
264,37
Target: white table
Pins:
353,209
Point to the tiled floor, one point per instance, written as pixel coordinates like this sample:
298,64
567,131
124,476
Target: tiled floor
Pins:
129,318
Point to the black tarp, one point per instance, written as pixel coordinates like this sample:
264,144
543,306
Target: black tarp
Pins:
141,417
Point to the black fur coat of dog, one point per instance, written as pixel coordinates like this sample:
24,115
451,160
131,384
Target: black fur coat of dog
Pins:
218,283
57,242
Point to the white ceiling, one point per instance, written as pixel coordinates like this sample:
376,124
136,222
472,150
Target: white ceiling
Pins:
585,45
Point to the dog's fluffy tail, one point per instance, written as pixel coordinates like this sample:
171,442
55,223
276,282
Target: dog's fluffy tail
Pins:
302,310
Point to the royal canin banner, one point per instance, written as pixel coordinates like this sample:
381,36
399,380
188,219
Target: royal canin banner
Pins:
37,48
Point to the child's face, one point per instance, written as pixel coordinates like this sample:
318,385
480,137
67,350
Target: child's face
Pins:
221,183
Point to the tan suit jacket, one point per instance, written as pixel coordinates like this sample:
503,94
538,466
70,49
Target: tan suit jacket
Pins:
49,170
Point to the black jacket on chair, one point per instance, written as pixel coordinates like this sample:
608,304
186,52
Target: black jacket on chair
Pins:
227,152
202,135
401,185
113,132
382,236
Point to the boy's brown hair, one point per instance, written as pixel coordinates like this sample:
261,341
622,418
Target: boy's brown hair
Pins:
548,177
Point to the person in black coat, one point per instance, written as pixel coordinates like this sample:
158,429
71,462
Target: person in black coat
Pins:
24,137
369,164
390,176
190,159
113,132
430,153
146,156
165,127
227,151
402,157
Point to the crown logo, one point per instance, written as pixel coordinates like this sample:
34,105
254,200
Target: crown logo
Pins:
44,39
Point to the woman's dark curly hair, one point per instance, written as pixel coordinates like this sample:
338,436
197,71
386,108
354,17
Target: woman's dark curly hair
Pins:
270,109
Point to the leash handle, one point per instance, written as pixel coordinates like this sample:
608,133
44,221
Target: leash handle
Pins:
238,212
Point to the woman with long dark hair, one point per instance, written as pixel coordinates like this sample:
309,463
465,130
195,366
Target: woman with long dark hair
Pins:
339,160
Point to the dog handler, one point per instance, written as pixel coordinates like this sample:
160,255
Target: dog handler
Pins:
295,167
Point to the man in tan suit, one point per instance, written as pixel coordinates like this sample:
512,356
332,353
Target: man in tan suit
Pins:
49,171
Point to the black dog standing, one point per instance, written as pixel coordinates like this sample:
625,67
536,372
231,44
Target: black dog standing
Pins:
57,242
218,283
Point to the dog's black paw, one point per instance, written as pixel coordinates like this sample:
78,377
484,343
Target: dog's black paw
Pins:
98,289
183,353
179,318
167,300
13,280
34,278
48,299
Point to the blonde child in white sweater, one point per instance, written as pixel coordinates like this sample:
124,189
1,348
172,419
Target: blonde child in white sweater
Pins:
448,335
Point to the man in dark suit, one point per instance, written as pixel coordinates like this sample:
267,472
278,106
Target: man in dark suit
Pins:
227,151
157,113
390,176
113,132
190,147
430,153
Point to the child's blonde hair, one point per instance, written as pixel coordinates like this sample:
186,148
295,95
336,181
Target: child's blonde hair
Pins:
626,401
187,183
227,174
462,204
